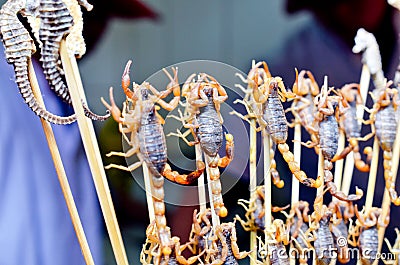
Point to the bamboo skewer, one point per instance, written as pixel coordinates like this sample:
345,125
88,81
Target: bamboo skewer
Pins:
93,154
253,184
372,175
62,177
149,192
200,182
297,159
349,165
267,179
339,164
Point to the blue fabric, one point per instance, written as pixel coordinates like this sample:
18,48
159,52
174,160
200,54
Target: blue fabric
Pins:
35,226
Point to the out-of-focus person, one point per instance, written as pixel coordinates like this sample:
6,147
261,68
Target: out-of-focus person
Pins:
35,225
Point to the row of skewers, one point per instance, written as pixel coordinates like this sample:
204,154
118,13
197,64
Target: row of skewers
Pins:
320,111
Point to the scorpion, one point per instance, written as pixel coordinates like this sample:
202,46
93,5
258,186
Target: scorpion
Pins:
297,221
270,94
19,47
56,22
151,253
351,97
255,77
384,125
320,232
342,212
328,111
303,108
367,224
255,211
219,245
147,140
204,121
275,247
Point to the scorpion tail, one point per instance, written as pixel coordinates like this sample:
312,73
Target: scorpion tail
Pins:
174,176
295,169
390,185
276,180
216,190
358,162
332,186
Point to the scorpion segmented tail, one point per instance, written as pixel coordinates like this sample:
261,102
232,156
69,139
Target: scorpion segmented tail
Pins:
390,185
216,190
56,22
18,49
295,169
159,211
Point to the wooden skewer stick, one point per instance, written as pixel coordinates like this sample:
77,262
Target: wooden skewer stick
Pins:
297,159
200,182
214,217
93,154
372,176
62,177
149,192
267,179
339,164
349,165
253,184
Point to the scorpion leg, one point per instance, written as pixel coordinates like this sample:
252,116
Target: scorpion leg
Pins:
129,169
183,179
295,169
229,150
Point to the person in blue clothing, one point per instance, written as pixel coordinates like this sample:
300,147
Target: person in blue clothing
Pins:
35,226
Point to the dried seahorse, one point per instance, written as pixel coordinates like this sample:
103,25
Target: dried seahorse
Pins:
19,47
56,22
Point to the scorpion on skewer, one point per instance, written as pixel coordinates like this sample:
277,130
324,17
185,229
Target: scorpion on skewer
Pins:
204,121
328,112
217,245
255,211
270,94
151,252
147,140
303,108
254,79
297,221
320,232
384,125
19,48
342,214
367,224
275,246
351,97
